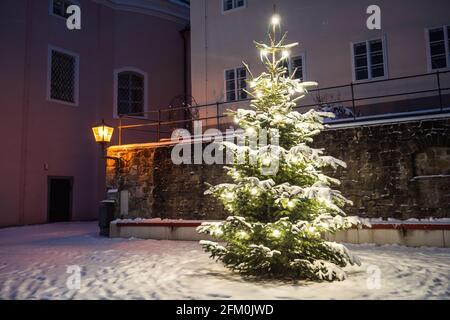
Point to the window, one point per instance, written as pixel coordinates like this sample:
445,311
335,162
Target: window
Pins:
233,4
235,84
297,67
59,7
63,76
439,47
369,60
130,92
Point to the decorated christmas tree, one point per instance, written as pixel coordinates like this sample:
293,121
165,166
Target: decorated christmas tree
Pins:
281,203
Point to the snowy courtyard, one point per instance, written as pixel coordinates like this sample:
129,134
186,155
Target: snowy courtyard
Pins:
34,261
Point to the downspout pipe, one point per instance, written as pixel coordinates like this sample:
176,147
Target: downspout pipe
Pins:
184,34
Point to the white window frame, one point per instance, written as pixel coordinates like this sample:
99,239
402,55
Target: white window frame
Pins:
221,2
291,69
76,91
180,3
236,85
116,87
50,8
447,48
369,65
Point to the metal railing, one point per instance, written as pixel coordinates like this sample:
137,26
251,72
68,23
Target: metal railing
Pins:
356,107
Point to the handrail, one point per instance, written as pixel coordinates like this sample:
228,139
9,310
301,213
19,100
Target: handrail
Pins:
159,122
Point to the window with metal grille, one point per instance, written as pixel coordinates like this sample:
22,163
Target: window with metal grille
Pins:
59,7
235,84
233,4
369,60
130,93
63,76
439,47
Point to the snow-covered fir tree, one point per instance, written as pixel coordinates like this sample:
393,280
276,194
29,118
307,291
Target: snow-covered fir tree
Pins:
278,217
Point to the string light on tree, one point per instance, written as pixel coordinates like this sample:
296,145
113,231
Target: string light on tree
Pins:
254,191
291,204
229,196
275,20
266,161
218,232
242,235
278,117
250,131
276,233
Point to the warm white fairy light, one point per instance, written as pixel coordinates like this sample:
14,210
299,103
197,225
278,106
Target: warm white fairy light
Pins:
259,94
250,131
229,195
285,54
254,191
276,19
291,204
236,120
276,233
278,117
242,234
266,161
294,158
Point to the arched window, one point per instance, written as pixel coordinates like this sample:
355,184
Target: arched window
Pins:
130,93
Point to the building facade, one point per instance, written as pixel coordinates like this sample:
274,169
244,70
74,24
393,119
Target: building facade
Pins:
128,57
336,49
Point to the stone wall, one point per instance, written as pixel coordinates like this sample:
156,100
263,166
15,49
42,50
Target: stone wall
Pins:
398,170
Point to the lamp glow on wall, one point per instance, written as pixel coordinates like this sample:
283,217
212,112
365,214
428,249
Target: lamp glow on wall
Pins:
103,133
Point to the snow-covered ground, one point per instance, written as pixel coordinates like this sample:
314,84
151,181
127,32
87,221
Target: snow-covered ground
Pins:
34,261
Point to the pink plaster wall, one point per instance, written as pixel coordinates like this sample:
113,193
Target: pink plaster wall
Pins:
37,132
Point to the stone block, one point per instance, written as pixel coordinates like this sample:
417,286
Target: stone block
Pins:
424,238
387,236
114,230
365,236
447,238
352,236
341,236
155,233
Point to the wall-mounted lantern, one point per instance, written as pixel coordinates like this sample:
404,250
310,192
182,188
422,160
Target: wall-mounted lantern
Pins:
103,133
